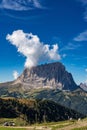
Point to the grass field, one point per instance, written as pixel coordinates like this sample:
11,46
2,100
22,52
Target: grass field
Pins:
82,128
17,121
5,128
63,125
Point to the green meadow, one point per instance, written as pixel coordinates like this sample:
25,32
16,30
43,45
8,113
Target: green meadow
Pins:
5,128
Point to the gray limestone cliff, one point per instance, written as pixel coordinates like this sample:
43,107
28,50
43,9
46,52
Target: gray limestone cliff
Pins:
52,75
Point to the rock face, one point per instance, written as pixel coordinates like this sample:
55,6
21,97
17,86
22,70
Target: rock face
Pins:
51,75
83,86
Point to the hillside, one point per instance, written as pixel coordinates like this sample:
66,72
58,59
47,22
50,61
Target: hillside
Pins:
36,110
76,100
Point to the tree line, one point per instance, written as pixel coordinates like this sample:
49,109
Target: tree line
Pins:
34,111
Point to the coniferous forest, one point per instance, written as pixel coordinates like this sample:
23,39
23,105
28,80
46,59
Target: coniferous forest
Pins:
36,111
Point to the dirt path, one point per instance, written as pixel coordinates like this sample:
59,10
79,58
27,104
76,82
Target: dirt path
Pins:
33,127
77,124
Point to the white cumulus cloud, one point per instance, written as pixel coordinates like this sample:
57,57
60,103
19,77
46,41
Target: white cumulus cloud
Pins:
15,74
20,5
81,37
32,48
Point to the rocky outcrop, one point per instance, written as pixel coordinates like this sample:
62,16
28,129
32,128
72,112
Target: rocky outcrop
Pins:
53,75
83,86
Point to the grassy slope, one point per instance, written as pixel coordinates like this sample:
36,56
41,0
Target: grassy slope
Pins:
74,100
4,128
18,121
63,125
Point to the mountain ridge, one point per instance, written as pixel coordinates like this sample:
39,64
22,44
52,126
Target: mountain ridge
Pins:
52,75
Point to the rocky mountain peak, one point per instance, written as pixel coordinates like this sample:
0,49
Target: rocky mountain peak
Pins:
52,75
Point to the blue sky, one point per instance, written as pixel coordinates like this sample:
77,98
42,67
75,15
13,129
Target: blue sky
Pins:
62,23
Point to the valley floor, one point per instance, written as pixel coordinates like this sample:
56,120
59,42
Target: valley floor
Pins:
64,125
